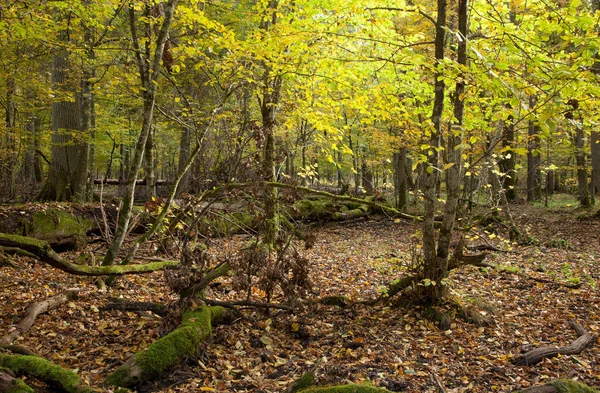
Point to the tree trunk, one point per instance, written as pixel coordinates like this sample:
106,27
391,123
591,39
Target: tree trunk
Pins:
508,162
400,179
435,268
68,170
534,187
149,83
582,178
8,166
150,165
367,177
595,148
184,156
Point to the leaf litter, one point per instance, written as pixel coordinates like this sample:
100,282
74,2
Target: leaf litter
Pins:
390,346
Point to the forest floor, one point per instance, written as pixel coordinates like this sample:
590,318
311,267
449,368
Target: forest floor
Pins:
389,345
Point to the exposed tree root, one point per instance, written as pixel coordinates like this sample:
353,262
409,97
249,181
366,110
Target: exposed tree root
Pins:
172,348
42,251
35,310
42,369
535,356
10,384
560,386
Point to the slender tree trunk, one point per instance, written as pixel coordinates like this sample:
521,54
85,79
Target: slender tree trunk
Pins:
184,156
534,187
400,179
8,166
582,178
149,72
595,149
434,268
507,163
150,165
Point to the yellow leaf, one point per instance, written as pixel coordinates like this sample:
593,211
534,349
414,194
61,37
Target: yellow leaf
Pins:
208,389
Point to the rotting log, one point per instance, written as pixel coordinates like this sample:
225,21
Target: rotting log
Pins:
169,350
36,309
10,384
42,251
535,356
46,371
560,386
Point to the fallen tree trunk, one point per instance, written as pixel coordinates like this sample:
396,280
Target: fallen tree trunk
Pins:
42,251
169,350
535,356
36,309
560,386
10,384
48,372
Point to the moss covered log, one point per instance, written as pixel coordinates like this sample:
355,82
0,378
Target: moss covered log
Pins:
48,372
351,388
42,251
170,349
560,386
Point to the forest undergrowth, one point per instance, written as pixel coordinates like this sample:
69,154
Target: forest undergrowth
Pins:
523,300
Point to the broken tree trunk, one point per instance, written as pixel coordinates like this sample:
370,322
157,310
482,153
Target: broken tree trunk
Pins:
169,350
42,251
35,310
48,372
535,356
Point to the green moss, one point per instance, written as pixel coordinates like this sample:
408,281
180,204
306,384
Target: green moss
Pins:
53,225
570,386
167,351
346,389
19,386
304,382
46,371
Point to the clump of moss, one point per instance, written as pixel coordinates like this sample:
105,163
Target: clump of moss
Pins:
167,351
57,227
304,382
346,389
46,371
570,386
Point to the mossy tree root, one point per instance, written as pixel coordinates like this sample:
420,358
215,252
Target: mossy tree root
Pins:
42,251
560,386
169,350
10,384
48,372
351,388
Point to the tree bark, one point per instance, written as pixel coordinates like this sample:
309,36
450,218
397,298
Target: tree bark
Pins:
36,309
535,356
534,187
507,163
400,179
68,170
582,178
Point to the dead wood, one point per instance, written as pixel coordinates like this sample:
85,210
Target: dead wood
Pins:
42,251
535,356
125,305
247,303
36,309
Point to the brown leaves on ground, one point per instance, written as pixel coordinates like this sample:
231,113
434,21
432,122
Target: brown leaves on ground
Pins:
391,346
